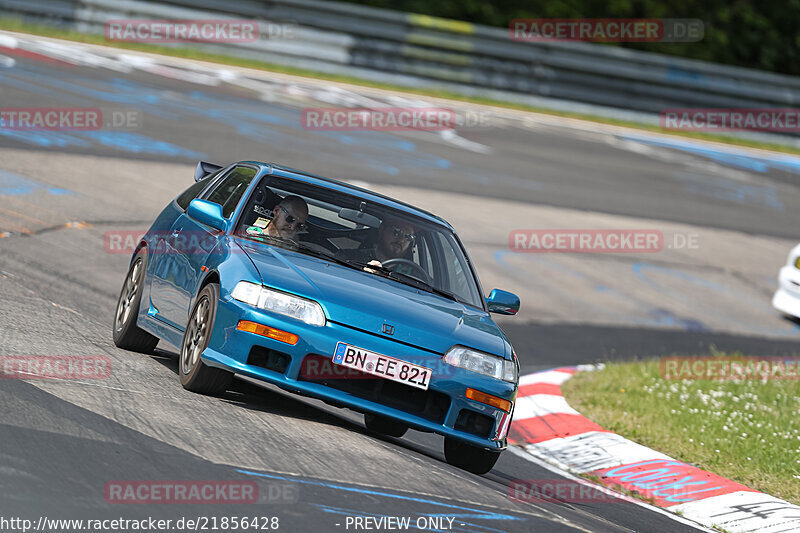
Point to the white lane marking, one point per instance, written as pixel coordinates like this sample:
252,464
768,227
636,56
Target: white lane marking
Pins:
183,75
551,377
523,454
593,450
744,511
540,405
454,138
137,61
8,41
590,367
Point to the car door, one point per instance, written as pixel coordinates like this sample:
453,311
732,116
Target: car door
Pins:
161,250
189,245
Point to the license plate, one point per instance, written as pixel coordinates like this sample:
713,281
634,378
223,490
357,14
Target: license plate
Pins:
382,366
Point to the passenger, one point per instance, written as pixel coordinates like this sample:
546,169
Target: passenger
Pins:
288,218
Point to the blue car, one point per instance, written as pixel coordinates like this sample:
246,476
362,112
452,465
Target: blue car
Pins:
330,291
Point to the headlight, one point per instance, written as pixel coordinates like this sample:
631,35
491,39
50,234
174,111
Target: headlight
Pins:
797,262
482,363
289,305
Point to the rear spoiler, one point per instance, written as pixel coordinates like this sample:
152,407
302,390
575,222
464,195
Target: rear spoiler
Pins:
204,168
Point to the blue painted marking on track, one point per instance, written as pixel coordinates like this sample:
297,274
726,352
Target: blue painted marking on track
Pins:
34,88
728,156
48,139
140,144
261,121
500,259
654,317
665,317
126,141
640,270
390,158
13,184
732,191
464,512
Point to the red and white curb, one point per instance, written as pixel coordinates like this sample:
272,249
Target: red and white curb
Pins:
545,426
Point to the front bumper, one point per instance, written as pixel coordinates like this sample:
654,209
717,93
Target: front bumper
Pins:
447,411
787,297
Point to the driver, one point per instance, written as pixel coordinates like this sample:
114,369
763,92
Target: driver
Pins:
394,239
288,218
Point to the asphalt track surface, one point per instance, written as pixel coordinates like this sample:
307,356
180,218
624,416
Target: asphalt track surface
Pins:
62,192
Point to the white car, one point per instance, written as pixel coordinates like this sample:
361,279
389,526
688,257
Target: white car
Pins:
787,297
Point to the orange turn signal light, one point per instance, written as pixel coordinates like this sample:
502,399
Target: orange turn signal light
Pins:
266,331
488,399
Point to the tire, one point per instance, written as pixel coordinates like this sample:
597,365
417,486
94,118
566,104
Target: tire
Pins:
195,375
469,457
384,426
127,335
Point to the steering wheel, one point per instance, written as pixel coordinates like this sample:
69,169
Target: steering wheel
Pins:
407,262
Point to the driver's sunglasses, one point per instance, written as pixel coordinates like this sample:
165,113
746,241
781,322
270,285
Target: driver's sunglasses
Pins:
397,232
291,219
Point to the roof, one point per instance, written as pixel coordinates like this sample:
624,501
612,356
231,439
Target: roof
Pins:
350,189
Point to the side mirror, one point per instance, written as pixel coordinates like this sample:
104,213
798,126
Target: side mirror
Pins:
207,213
503,302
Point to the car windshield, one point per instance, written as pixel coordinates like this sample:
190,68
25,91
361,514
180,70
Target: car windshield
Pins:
359,233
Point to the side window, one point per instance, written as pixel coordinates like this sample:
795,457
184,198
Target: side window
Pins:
230,190
422,255
191,193
455,270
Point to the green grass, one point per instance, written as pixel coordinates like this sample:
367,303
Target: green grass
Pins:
17,25
746,431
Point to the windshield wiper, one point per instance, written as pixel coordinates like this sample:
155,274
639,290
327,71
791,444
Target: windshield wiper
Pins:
414,282
430,288
326,255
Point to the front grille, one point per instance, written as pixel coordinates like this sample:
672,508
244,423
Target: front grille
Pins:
430,405
269,359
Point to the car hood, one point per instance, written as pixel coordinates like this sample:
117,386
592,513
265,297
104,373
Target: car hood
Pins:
367,301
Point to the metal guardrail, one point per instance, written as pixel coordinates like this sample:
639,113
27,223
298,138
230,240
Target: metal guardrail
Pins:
418,50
